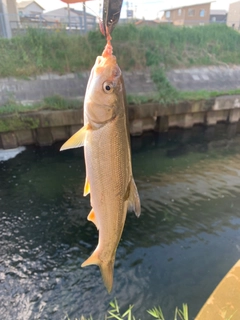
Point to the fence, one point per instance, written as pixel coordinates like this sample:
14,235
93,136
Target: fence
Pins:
11,25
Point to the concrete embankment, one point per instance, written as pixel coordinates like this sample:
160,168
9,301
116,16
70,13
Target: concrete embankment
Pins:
46,127
73,85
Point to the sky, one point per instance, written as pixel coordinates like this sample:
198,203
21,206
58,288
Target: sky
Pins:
149,9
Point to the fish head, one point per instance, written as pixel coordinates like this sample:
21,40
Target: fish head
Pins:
103,89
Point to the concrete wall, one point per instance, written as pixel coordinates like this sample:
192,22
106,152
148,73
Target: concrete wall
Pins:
72,85
46,127
68,86
233,18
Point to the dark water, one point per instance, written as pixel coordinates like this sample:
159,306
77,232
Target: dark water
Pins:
185,241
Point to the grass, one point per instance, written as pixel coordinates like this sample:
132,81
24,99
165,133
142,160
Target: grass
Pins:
166,96
156,313
49,103
19,121
167,46
158,48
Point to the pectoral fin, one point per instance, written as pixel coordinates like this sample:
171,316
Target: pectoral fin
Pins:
92,217
133,199
86,190
76,140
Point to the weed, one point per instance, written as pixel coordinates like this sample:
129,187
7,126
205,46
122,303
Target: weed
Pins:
39,51
156,313
49,103
114,312
166,92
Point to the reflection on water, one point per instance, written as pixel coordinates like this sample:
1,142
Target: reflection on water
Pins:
186,239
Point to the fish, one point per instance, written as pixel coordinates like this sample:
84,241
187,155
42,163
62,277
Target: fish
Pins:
106,141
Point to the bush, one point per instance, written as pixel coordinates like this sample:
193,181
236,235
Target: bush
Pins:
39,51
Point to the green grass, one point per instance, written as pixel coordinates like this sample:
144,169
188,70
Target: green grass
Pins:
156,313
165,97
203,94
40,51
49,103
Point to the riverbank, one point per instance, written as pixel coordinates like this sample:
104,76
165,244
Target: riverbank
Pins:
46,127
44,105
28,114
140,86
40,52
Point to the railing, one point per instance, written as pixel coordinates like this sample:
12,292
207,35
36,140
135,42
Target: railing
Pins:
11,25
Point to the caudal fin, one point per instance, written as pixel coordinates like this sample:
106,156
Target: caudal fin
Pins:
105,267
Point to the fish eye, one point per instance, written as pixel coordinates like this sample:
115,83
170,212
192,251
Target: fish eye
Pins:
107,87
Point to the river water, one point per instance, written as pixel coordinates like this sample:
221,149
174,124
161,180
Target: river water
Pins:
185,241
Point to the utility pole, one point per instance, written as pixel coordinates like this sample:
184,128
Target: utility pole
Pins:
5,28
84,17
68,10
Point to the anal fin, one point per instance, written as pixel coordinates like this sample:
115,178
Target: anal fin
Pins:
92,217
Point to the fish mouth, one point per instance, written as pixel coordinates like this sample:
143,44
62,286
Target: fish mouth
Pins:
103,62
108,65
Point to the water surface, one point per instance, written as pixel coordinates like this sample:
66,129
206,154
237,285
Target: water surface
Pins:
185,241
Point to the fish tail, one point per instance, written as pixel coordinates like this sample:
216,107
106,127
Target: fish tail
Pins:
106,269
107,274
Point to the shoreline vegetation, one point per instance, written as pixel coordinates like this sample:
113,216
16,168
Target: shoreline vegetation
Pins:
164,47
157,48
165,97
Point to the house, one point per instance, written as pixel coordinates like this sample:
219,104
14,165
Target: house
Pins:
190,15
233,18
73,19
218,16
29,9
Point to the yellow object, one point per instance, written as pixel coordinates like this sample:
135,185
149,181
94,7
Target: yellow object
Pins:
224,302
77,140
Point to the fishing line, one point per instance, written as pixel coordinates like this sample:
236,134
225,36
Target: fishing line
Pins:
93,11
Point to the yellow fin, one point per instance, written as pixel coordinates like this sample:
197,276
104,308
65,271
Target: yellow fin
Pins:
76,140
105,267
133,200
93,259
107,274
92,217
86,190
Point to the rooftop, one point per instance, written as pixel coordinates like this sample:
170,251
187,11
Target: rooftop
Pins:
24,4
